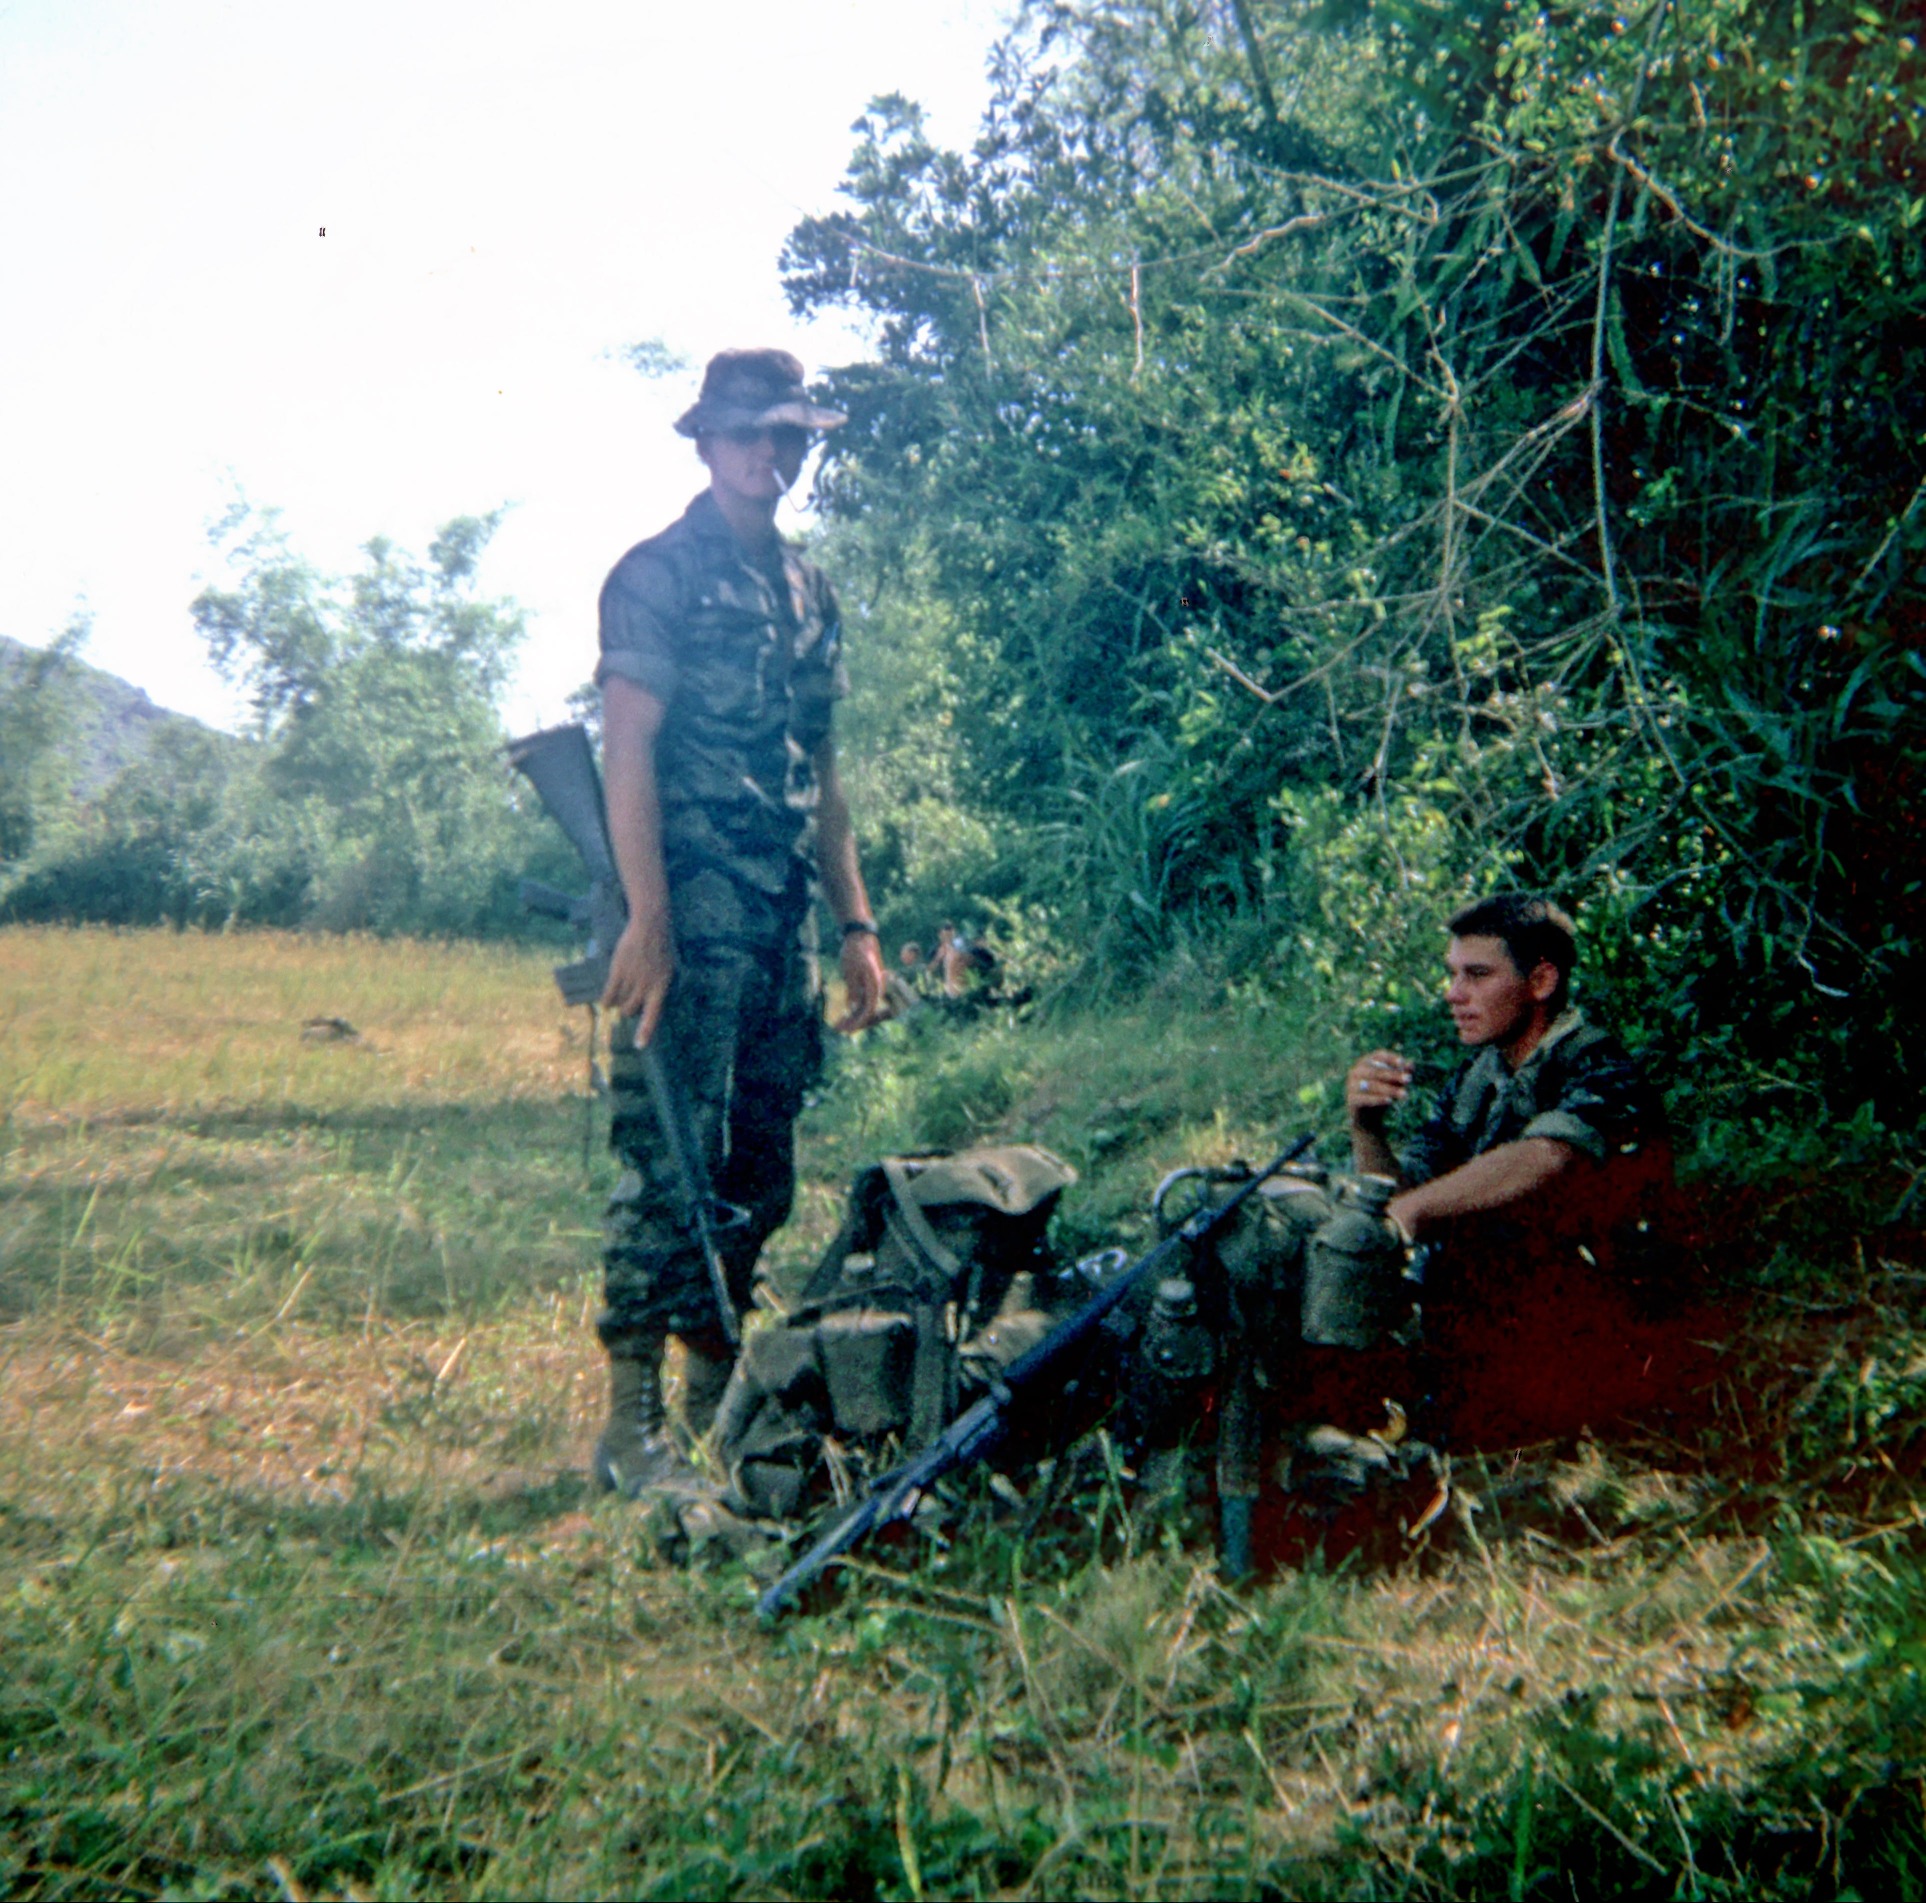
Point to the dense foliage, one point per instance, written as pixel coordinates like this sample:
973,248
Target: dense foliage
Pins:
1326,458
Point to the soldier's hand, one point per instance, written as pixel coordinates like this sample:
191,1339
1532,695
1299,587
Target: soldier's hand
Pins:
1375,1083
863,980
1405,1213
640,968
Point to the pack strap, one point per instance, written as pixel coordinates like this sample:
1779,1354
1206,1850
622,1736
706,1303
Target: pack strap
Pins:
933,1372
897,1174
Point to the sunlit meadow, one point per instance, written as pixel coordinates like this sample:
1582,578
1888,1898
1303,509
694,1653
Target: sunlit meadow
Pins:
303,1593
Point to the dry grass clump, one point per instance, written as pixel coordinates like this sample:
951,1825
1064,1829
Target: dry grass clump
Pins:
179,1158
1350,1735
303,1415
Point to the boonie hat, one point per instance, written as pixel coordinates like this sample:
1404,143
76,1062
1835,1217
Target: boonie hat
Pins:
755,389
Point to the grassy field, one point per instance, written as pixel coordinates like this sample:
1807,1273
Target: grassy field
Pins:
303,1595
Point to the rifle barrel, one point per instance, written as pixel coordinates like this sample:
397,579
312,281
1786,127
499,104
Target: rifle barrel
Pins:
538,896
679,1139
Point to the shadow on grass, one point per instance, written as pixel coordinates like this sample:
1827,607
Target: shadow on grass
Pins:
559,1119
191,1511
411,1210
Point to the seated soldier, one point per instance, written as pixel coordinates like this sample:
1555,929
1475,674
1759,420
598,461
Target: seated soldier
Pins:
952,969
1535,1181
902,989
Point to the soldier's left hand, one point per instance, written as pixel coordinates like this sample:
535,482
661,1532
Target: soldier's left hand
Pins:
864,982
1405,1212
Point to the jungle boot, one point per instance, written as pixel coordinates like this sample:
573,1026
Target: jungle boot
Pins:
636,1450
707,1363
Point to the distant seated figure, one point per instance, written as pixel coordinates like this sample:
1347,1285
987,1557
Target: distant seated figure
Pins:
959,962
952,971
903,987
1539,1181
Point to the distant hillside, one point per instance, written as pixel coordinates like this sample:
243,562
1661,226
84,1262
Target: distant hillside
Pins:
116,721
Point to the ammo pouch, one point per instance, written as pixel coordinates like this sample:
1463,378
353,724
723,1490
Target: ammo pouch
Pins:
928,1287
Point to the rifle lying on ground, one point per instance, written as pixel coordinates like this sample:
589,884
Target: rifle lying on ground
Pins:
558,763
978,1430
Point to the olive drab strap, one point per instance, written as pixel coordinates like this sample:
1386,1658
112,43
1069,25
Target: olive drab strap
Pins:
932,1372
928,1249
909,1210
1013,1181
933,1369
932,1310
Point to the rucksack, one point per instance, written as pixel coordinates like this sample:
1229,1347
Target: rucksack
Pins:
939,1275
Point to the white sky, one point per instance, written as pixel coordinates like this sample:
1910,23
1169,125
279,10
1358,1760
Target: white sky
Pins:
510,191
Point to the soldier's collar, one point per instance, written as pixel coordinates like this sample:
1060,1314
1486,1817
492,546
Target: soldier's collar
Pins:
707,521
1561,1027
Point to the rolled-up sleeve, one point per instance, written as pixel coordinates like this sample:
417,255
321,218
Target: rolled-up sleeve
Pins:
1567,1126
638,620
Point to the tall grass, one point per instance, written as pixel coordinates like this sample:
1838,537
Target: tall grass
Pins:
301,1593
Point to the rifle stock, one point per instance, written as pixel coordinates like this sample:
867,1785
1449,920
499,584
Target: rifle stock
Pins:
560,766
977,1430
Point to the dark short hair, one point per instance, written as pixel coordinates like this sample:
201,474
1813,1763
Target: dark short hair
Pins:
1534,930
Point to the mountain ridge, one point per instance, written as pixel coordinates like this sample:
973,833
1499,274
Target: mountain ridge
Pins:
114,722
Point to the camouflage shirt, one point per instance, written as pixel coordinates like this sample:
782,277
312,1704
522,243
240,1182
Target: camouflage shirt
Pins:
1578,1087
745,653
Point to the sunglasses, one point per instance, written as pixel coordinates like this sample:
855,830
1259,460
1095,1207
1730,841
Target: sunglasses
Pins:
784,436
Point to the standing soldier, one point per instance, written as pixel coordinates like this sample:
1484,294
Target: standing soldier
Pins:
721,663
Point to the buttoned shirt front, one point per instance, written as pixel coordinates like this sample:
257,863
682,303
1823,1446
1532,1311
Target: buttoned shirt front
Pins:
745,653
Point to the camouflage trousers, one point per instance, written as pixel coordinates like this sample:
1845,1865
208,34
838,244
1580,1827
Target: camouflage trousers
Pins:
741,1034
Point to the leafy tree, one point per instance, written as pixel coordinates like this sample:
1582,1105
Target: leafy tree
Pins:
143,851
375,700
370,791
1385,447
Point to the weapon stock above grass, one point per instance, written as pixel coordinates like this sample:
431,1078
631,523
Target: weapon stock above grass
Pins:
980,1427
560,766
559,763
